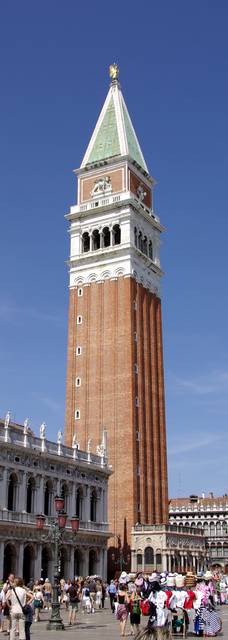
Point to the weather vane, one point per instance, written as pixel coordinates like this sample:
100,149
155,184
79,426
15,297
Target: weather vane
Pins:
114,71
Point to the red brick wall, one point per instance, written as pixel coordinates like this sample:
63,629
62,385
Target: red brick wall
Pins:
106,398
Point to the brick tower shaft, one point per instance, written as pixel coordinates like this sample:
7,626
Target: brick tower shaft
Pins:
115,375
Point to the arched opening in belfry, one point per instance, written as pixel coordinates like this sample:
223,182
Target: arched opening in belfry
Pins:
116,234
9,562
140,242
96,240
28,564
136,237
85,242
144,245
30,495
93,506
106,237
48,498
12,492
150,247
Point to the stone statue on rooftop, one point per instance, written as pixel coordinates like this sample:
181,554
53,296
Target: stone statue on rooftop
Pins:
43,431
7,420
26,427
59,437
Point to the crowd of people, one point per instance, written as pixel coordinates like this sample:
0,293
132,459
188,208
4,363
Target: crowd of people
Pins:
172,603
21,605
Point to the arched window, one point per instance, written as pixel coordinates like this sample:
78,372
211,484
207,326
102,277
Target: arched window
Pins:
106,237
150,250
85,242
212,528
149,556
12,492
96,240
145,245
206,528
116,234
136,237
93,506
48,498
30,495
79,501
139,560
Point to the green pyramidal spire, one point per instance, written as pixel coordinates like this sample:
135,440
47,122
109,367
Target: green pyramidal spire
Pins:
114,134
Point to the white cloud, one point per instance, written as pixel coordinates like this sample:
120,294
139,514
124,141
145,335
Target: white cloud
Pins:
15,314
213,382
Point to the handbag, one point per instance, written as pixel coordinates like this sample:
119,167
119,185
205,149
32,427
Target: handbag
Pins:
145,607
26,609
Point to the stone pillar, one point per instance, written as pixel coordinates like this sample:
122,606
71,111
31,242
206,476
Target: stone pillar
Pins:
72,508
1,558
22,497
104,575
133,561
71,561
20,558
85,561
39,498
37,563
86,505
164,561
105,511
3,489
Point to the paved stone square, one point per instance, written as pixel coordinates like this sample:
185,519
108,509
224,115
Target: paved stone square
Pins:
101,624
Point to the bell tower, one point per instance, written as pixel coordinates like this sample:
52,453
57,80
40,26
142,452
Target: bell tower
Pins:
115,361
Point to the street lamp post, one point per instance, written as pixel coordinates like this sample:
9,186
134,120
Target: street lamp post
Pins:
55,535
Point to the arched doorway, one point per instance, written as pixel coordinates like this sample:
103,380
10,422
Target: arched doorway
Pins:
46,560
12,492
9,564
92,562
149,559
28,564
78,563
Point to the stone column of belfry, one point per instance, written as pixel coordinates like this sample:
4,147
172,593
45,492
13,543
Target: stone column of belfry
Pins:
115,375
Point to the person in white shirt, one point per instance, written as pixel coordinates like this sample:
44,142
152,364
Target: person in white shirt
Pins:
16,598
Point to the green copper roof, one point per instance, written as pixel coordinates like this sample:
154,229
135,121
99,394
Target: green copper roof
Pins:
133,145
106,143
114,134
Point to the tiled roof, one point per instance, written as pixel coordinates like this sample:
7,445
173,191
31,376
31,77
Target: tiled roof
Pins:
177,503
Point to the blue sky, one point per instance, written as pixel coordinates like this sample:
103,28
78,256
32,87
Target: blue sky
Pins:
174,75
